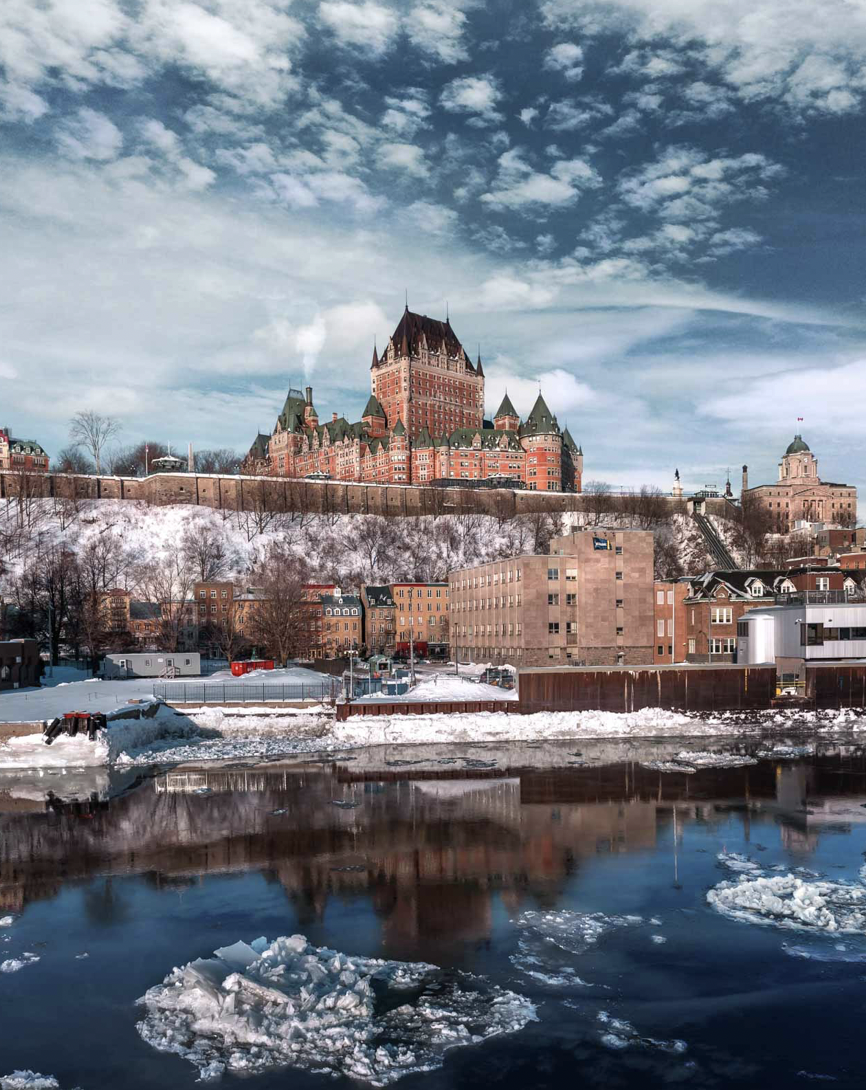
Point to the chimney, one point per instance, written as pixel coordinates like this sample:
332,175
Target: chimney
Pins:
309,393
190,460
745,478
333,418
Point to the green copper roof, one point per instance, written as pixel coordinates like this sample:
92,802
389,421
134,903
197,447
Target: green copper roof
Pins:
506,408
398,428
541,420
373,408
569,442
798,446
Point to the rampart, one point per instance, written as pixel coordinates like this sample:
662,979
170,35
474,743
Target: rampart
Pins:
281,494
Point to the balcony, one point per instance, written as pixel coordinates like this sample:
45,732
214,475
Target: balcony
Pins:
819,598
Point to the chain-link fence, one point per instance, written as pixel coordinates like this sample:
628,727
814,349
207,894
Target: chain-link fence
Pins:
214,692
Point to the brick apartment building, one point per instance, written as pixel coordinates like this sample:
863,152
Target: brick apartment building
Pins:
589,602
669,619
424,421
379,613
342,624
421,618
21,454
832,542
716,601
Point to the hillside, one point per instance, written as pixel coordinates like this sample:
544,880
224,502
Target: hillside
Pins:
345,549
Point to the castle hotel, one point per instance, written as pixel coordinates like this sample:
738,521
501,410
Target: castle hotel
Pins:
424,422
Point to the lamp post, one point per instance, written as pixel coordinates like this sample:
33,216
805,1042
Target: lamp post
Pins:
351,653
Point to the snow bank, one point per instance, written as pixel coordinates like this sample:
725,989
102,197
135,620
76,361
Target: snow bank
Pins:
14,965
448,687
802,901
287,1003
120,735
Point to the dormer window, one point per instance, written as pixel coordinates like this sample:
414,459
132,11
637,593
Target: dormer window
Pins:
757,589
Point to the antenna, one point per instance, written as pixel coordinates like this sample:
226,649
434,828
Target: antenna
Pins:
406,290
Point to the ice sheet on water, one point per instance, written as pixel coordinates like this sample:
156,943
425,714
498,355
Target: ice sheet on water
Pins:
13,965
737,862
618,1034
839,952
693,761
6,921
287,1003
572,931
28,1080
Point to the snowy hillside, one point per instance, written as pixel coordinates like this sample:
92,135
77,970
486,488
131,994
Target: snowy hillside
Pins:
349,550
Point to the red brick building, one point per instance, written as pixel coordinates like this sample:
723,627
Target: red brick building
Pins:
669,622
21,454
424,421
421,617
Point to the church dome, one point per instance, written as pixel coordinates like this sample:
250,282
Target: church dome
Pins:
798,446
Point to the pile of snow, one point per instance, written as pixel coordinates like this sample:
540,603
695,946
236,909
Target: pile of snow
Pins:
447,687
28,1080
691,762
120,735
802,901
619,1034
287,1003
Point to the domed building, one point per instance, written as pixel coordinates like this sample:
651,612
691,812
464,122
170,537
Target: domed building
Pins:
800,494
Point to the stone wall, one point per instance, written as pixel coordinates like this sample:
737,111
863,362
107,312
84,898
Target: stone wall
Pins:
283,494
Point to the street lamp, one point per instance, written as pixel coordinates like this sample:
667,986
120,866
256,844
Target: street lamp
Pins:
351,653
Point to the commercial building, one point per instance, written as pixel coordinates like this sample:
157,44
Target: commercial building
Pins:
806,627
342,624
589,602
669,618
800,495
424,422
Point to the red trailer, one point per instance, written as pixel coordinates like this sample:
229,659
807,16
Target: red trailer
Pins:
247,667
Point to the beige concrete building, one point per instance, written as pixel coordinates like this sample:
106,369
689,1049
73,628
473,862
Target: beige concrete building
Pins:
801,495
590,602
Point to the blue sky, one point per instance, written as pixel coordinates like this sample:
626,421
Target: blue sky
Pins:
653,207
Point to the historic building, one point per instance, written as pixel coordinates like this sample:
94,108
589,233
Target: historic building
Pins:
800,495
424,422
21,454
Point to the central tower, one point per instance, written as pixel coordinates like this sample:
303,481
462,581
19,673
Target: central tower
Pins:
425,379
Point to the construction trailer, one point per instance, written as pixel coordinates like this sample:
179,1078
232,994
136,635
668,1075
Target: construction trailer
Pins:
152,664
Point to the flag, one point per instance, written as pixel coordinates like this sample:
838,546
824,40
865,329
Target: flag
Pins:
799,418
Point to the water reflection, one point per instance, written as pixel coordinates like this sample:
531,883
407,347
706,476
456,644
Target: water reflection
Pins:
429,841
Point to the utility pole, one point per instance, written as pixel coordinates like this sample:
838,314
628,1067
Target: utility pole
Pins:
50,639
412,656
351,675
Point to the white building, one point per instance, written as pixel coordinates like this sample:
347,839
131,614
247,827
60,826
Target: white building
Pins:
810,627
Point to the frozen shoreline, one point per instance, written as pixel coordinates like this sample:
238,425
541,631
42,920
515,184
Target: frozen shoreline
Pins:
217,734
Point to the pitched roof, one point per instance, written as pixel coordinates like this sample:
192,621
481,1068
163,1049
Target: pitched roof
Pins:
373,408
398,428
412,327
295,403
506,408
379,596
25,446
490,439
541,420
260,446
568,442
423,438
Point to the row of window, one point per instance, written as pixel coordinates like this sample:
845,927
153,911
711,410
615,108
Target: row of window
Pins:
497,602
514,629
553,599
490,579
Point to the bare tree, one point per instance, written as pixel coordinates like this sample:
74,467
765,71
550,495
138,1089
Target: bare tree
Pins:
597,501
278,623
167,582
92,431
136,461
207,549
750,534
227,634
221,460
73,460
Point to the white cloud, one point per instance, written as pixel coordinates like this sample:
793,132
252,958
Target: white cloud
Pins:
733,239
497,239
437,28
433,219
89,135
802,57
569,114
507,291
528,115
406,157
190,174
519,186
368,26
563,392
685,184
567,58
19,103
406,114
476,95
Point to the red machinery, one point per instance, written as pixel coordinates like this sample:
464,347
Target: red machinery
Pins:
241,668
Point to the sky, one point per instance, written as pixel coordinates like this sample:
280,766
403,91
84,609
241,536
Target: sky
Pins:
653,209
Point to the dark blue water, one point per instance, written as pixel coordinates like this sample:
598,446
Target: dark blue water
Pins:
437,863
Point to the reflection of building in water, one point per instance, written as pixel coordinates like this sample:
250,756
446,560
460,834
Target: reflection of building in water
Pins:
430,853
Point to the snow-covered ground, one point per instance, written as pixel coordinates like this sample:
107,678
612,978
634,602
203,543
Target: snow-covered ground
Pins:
285,1003
440,686
97,695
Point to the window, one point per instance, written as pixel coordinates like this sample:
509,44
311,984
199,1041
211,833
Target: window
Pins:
553,573
822,582
571,599
691,647
619,603
757,589
571,574
725,646
553,599
553,628
213,594
660,628
660,649
722,615
619,575
811,635
742,628
618,550
202,594
619,630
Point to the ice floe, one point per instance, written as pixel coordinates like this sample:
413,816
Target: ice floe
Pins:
691,762
14,965
618,1034
28,1080
839,952
792,901
572,931
287,1003
6,921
